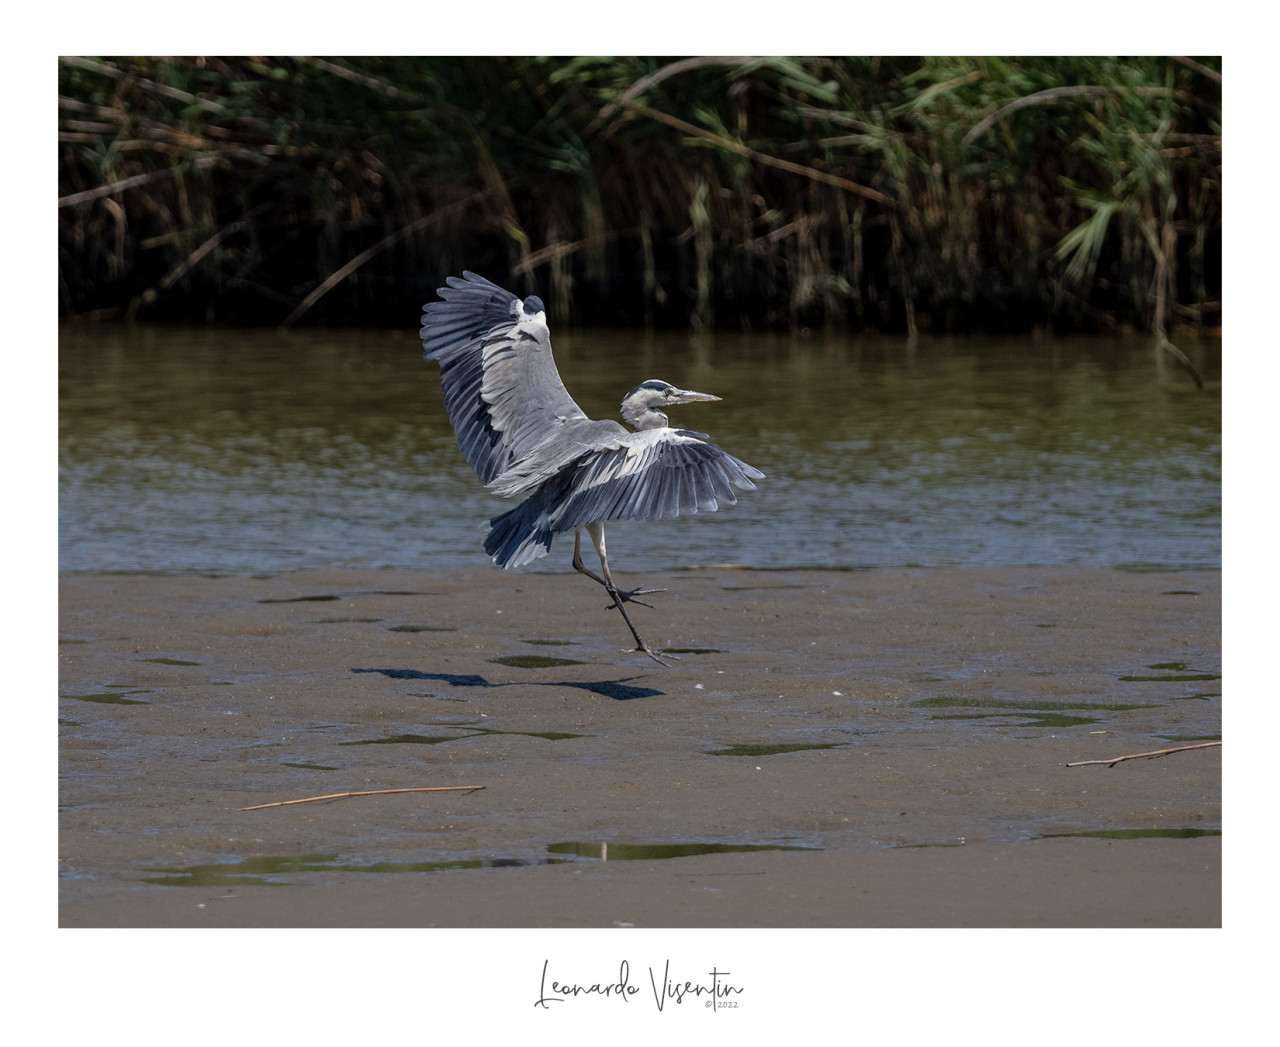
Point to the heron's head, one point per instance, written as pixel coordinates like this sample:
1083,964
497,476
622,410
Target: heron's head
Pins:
643,406
533,306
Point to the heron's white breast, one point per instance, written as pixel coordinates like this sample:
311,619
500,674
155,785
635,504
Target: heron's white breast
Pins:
643,446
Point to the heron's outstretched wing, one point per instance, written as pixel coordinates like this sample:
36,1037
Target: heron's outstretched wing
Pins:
650,475
501,387
574,439
656,474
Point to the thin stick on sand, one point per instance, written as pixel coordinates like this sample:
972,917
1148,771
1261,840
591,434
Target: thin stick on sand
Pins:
369,792
1143,756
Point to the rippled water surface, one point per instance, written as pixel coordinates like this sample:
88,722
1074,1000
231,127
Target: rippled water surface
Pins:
239,452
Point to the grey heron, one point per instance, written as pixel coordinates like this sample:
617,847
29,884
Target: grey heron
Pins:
521,431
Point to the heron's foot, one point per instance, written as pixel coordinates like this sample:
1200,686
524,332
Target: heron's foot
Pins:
658,656
625,595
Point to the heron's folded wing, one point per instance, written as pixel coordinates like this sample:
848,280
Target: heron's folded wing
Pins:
654,475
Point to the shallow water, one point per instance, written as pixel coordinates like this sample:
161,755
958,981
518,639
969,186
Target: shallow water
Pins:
197,450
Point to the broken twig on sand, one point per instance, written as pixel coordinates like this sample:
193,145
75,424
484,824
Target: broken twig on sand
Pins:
369,792
1142,756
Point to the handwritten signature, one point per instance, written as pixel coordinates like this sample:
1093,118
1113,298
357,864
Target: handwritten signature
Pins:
717,992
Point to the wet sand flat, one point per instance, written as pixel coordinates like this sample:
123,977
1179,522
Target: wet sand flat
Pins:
891,744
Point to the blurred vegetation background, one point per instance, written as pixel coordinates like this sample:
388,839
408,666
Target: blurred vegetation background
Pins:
894,194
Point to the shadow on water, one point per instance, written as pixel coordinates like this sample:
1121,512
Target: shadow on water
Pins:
619,690
467,732
534,661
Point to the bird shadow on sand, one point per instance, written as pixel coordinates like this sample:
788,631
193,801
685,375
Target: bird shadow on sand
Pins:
619,690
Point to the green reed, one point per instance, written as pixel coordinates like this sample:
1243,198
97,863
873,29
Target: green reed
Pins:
896,193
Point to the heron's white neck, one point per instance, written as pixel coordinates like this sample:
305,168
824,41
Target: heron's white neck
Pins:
642,416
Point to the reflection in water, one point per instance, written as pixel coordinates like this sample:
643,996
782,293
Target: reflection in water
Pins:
238,452
274,871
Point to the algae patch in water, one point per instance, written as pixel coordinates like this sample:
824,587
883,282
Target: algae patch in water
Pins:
1188,739
261,872
769,750
467,732
952,701
1179,678
1138,834
625,852
109,698
534,661
270,871
1036,713
409,739
550,736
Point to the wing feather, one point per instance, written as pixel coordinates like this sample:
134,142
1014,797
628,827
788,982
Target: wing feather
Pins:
501,386
652,475
657,474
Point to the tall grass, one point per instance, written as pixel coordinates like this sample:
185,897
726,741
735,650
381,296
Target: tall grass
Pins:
897,194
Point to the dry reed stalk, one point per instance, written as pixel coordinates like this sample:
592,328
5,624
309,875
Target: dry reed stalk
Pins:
1143,756
764,158
341,274
559,249
1053,94
135,181
369,792
656,77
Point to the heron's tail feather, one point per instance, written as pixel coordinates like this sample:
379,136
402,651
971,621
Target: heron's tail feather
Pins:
520,535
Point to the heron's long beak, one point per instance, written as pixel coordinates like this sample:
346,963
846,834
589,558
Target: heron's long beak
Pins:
687,396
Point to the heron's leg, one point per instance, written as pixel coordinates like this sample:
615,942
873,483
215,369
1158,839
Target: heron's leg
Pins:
578,565
623,594
596,531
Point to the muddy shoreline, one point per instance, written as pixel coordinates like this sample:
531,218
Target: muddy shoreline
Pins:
893,742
